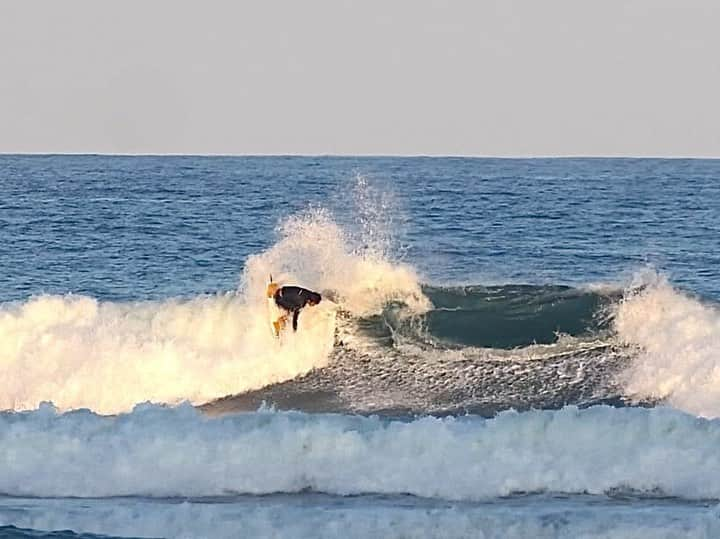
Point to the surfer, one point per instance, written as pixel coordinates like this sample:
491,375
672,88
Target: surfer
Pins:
290,299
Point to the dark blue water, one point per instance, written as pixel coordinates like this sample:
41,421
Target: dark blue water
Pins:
152,227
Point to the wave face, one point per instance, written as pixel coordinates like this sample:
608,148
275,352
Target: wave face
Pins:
175,452
474,349
554,346
511,316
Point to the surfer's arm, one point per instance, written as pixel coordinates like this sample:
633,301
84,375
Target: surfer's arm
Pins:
295,319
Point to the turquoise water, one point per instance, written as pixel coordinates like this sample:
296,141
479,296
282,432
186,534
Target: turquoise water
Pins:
518,347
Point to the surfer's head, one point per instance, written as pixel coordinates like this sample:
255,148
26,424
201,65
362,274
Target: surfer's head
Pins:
313,298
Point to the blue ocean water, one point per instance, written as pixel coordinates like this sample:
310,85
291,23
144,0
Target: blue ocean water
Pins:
124,228
507,347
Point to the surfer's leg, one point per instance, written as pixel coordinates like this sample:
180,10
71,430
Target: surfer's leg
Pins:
279,324
295,319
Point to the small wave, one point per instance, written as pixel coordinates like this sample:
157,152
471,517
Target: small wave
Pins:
158,451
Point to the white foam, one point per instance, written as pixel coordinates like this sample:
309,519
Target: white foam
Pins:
679,341
313,517
82,353
156,451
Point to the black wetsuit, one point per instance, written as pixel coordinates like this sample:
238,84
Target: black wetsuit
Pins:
294,298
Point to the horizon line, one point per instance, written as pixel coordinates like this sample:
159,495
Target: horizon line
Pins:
359,155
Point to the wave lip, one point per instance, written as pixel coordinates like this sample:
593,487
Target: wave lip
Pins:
157,451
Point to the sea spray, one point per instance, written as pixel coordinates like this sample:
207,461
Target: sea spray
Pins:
678,338
79,352
315,252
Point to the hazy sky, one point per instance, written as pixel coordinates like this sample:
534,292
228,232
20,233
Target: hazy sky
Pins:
564,77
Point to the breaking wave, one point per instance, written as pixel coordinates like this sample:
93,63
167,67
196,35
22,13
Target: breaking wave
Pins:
677,337
79,352
160,452
379,342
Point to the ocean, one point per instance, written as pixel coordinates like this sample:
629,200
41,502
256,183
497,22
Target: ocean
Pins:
505,348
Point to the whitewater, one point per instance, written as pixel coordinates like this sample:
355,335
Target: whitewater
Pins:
457,379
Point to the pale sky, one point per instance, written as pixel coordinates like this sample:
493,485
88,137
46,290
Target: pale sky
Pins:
408,77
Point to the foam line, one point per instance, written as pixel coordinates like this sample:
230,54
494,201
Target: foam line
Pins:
319,517
157,451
